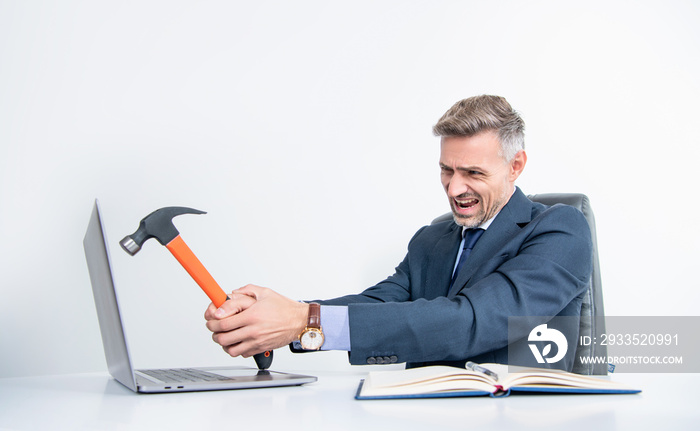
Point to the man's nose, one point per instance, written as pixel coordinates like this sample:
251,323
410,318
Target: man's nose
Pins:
456,187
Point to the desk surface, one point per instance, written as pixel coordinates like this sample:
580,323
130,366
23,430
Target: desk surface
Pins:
96,401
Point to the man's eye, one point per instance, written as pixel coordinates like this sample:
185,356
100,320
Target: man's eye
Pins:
474,173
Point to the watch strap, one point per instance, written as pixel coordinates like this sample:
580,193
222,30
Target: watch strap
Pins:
314,320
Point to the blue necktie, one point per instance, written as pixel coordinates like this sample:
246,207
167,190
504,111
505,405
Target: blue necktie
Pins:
471,236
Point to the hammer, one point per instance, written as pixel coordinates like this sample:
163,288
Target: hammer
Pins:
159,225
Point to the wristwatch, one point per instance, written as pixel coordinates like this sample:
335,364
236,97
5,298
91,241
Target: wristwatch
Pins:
311,337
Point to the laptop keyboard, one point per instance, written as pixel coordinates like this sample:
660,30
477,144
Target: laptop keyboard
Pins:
181,375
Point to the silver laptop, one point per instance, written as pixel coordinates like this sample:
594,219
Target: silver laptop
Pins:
157,380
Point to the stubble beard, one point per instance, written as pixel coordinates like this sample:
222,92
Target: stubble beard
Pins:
480,217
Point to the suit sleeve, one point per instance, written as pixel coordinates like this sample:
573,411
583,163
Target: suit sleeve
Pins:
542,270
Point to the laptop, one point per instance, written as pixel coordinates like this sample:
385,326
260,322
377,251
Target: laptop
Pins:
157,380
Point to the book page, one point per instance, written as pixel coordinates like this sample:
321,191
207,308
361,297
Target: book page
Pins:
426,380
544,378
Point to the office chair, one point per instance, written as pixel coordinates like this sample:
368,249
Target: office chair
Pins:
592,313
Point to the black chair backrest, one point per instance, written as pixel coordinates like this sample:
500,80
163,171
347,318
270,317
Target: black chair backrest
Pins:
592,312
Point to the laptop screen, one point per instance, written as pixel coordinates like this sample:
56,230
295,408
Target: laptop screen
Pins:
113,337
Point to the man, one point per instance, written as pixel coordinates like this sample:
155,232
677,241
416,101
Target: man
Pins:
440,307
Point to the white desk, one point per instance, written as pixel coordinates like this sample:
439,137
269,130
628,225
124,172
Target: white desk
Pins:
96,402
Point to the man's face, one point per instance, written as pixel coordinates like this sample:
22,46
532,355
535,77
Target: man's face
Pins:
477,180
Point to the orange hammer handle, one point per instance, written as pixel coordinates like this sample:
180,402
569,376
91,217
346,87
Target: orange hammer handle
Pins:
199,273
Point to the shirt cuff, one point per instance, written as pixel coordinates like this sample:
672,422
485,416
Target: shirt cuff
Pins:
336,327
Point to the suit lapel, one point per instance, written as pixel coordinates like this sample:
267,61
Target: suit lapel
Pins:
444,253
516,213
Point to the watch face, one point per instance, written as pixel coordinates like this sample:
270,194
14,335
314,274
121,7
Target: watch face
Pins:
311,339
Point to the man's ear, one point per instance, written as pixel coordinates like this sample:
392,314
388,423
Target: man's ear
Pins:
517,165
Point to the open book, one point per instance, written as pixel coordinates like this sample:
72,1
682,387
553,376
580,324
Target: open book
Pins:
484,379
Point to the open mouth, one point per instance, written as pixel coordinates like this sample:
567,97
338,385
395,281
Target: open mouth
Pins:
466,204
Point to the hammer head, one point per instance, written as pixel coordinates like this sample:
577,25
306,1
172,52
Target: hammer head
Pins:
158,225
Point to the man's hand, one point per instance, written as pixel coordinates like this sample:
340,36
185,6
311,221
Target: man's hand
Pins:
256,319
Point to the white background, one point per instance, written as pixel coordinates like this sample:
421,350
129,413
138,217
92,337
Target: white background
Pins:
304,130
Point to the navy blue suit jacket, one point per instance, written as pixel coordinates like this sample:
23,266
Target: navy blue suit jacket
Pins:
533,260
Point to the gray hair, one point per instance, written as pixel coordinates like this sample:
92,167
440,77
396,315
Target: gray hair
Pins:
478,114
